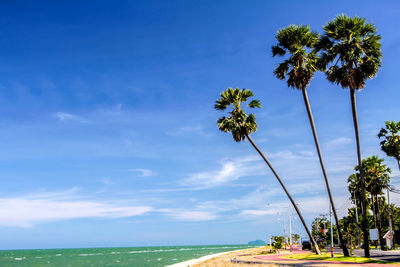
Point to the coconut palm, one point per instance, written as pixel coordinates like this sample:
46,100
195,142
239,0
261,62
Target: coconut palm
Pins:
391,143
241,125
298,42
353,47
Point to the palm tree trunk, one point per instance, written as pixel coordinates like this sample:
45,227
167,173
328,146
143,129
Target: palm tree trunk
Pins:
378,212
398,163
314,131
373,209
358,226
362,182
287,193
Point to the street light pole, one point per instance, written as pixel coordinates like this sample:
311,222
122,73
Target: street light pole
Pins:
284,229
330,219
290,231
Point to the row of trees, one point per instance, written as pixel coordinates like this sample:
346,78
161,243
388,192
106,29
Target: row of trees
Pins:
349,53
381,215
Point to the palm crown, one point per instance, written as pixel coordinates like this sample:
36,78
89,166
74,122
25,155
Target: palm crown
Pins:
376,176
238,122
355,47
391,143
298,41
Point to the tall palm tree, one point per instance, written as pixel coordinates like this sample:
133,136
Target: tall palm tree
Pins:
298,42
241,125
353,47
391,143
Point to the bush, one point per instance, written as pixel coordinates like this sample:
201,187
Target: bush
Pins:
277,245
267,251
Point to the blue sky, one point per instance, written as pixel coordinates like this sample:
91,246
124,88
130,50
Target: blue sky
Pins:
108,134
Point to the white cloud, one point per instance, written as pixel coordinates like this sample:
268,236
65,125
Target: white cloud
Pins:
234,169
63,116
183,215
106,181
256,213
271,200
143,172
289,155
338,142
29,211
229,171
258,199
185,130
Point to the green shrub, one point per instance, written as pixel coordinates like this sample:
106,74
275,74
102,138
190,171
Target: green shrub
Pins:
268,252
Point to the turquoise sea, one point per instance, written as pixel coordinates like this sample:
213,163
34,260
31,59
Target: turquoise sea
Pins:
125,256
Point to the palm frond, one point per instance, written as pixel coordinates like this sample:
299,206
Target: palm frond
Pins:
281,70
255,104
277,50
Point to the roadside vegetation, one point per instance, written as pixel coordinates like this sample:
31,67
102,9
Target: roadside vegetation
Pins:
327,257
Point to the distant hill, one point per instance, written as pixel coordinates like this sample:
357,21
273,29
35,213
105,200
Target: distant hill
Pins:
257,242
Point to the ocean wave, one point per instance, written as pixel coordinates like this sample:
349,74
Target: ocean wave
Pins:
90,254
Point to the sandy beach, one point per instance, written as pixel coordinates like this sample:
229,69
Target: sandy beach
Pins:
220,259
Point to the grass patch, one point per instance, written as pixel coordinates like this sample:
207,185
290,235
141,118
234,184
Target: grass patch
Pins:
327,257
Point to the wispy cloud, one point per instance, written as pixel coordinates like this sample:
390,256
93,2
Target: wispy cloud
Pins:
184,215
256,213
27,211
338,142
143,172
257,199
63,116
186,130
290,155
106,181
229,171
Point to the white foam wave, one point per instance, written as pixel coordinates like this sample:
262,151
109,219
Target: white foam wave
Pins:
90,254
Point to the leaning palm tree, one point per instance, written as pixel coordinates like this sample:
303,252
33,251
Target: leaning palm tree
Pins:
391,143
353,47
241,125
298,42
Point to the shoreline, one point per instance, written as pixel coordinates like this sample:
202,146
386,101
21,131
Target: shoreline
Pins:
199,260
195,261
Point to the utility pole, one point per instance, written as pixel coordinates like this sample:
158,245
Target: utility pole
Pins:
390,221
358,228
284,230
330,219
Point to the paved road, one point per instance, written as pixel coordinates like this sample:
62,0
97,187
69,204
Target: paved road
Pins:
281,260
393,256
